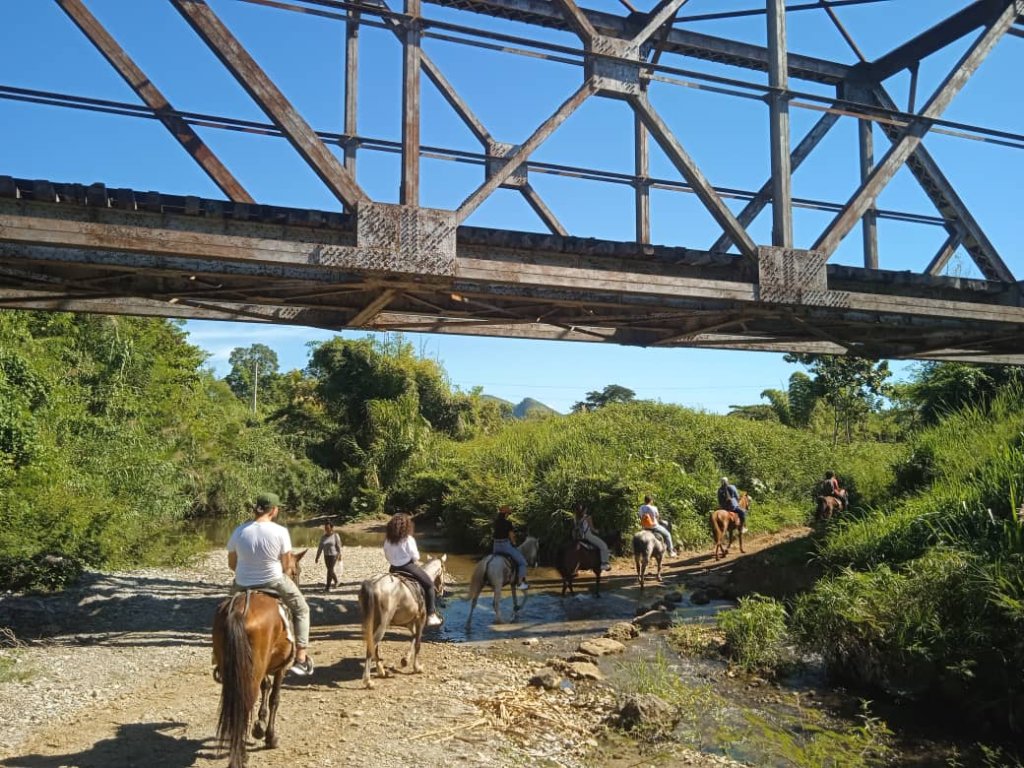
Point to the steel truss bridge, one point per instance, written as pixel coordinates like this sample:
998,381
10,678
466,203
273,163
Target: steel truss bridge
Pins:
406,267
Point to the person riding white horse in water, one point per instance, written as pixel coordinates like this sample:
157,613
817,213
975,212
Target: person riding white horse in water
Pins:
729,499
403,555
504,543
650,519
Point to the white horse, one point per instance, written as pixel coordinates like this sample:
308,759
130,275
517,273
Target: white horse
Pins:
646,547
499,570
391,600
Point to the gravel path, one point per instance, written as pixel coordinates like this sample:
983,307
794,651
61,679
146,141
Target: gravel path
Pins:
116,672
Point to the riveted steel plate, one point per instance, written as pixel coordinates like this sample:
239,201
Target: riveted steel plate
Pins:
792,276
398,238
497,152
614,77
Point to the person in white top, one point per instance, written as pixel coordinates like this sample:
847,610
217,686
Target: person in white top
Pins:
258,552
403,555
648,508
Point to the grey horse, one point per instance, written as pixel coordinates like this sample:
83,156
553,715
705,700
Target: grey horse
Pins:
646,545
390,600
498,571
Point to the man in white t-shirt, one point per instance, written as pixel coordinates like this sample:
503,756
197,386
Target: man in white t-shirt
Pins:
258,552
648,508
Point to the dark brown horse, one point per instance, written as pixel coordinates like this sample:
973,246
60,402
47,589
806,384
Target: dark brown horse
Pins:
829,505
251,652
725,521
575,557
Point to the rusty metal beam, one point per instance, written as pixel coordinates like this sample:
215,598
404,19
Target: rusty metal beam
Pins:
660,15
943,195
542,210
544,130
576,19
371,310
155,100
865,141
764,195
778,127
410,189
689,170
270,99
681,42
978,14
945,253
900,151
351,89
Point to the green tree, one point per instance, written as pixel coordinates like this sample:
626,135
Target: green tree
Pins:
613,393
940,388
254,372
852,386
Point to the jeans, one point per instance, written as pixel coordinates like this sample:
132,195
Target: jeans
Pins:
590,538
504,547
414,570
290,595
332,577
666,535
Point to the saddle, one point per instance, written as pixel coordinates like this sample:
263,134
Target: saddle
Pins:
282,609
414,585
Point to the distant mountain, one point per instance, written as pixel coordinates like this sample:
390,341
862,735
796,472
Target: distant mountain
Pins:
533,409
527,409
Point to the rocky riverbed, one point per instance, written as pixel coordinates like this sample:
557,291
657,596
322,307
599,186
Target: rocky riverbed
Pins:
116,672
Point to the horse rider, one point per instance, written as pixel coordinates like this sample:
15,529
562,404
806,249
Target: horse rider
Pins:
504,543
403,555
831,488
650,519
584,531
259,550
729,499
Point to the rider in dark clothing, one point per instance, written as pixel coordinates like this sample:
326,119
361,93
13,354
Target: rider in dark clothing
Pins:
831,488
729,498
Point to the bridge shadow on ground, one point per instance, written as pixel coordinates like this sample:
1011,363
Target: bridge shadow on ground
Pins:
136,744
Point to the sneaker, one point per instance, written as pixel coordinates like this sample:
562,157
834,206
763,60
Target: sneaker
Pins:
433,620
522,586
606,567
302,668
672,554
744,529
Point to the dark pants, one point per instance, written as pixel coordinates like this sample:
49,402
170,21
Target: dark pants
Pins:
742,513
332,577
414,570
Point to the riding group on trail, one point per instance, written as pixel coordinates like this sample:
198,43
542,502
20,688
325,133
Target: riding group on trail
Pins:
256,640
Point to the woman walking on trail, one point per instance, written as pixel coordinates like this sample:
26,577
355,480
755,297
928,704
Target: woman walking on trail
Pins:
330,548
403,555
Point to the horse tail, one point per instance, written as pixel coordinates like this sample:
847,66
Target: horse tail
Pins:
371,614
562,563
238,689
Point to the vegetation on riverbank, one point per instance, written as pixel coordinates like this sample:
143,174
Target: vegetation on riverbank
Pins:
114,436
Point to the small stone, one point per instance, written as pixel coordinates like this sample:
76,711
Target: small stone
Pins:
531,641
547,678
654,620
622,631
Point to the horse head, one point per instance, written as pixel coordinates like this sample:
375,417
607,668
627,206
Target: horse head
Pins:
293,569
744,501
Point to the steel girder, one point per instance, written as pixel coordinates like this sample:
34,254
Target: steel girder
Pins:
413,268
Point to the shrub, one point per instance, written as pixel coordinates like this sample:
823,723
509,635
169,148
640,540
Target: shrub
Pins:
755,633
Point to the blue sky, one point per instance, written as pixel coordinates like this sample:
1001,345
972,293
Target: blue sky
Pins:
512,95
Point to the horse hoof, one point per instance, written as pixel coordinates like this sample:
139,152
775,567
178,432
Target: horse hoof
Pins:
273,743
405,662
418,669
367,684
257,731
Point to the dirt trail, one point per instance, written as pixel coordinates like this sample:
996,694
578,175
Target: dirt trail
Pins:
117,673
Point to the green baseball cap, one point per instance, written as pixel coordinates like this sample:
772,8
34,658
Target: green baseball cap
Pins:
268,500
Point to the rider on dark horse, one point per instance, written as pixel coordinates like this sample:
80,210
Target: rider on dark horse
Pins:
257,553
729,499
583,530
830,487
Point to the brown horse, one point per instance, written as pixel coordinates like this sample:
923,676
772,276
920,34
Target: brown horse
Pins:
391,600
251,652
829,505
575,557
646,547
724,520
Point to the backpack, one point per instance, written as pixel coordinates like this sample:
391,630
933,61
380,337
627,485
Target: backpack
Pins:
647,521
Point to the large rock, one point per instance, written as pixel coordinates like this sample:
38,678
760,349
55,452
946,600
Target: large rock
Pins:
601,646
647,710
700,597
622,631
584,670
654,620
